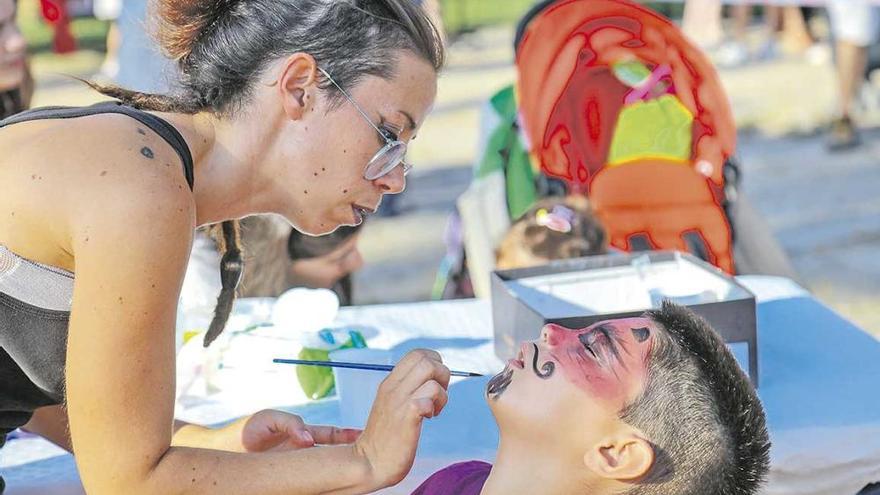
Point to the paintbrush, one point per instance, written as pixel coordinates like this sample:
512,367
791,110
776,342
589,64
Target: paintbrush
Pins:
359,366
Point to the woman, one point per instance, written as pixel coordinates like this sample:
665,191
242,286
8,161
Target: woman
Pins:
15,80
259,126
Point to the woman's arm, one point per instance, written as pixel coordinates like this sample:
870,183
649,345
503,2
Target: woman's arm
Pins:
50,422
130,250
260,432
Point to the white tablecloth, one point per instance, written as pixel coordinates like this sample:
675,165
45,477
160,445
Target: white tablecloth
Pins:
819,379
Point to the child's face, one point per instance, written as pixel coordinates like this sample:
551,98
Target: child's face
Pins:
568,387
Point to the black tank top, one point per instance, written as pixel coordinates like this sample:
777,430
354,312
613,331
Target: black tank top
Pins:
33,340
165,130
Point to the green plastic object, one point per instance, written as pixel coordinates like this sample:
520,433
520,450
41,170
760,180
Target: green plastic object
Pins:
317,381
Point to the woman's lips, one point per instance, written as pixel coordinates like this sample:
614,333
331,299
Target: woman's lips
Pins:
360,213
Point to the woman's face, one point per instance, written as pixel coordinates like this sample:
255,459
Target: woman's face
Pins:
334,144
12,48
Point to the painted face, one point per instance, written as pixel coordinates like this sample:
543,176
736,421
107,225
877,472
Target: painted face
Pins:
607,360
579,378
12,48
339,143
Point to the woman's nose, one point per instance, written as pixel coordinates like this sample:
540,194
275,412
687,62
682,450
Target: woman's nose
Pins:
393,182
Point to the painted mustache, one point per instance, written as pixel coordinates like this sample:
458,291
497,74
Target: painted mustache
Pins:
498,384
547,368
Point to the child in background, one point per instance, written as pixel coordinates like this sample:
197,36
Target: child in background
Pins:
552,229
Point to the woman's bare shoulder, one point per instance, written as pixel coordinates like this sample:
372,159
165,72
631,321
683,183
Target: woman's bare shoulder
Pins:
63,175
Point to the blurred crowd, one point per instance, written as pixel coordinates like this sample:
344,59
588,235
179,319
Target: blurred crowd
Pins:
546,221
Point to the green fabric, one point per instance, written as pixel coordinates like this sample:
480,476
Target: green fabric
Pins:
521,193
658,128
317,381
504,147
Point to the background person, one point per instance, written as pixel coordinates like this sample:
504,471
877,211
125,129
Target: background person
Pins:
854,27
16,85
258,126
554,229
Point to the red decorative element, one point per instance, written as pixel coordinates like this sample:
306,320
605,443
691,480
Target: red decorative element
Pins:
55,13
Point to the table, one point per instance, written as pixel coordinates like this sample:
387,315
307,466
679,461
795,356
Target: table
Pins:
819,385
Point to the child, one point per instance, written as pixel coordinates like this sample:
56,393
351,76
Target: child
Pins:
553,229
653,405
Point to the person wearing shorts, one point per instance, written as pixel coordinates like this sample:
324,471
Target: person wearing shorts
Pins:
854,25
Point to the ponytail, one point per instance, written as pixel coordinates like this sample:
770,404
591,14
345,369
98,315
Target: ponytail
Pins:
230,275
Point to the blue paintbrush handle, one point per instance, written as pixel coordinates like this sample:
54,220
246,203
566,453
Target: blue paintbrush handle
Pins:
357,366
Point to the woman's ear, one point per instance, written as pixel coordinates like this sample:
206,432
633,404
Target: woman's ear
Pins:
624,456
298,84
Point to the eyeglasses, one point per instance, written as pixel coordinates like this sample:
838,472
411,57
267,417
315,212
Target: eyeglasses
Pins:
390,156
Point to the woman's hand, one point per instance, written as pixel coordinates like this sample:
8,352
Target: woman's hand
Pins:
416,389
265,431
270,430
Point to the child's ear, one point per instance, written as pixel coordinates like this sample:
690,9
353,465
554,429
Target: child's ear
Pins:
624,456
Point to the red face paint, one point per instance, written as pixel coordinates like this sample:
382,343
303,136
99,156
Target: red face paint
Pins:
608,359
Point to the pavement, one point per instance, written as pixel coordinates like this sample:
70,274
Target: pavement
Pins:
824,208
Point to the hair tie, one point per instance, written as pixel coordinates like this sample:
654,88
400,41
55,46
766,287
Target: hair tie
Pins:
559,219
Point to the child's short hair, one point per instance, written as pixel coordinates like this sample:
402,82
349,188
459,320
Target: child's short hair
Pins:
700,411
552,229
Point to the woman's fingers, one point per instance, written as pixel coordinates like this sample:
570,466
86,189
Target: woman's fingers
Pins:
426,369
430,399
410,362
331,435
268,429
277,429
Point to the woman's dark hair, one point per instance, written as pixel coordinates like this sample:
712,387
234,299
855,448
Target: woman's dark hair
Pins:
223,46
11,103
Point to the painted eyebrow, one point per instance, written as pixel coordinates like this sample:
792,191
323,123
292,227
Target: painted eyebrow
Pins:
607,330
641,334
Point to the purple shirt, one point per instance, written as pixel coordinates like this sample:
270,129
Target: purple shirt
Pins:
464,478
